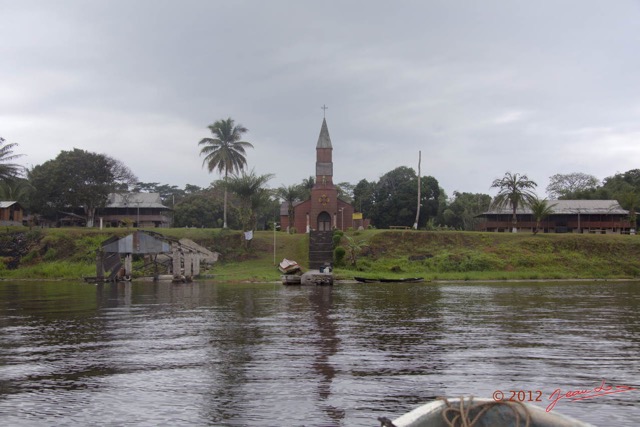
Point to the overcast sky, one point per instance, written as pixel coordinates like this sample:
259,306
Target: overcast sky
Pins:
480,87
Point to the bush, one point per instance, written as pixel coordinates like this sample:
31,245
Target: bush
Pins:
338,255
50,255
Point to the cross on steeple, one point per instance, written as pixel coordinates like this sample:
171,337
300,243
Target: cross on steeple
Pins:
324,110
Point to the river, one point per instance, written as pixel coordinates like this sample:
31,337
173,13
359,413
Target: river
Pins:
206,353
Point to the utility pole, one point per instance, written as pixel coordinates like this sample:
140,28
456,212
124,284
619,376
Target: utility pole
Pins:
415,224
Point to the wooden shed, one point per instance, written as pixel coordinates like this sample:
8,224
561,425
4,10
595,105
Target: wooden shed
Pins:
11,213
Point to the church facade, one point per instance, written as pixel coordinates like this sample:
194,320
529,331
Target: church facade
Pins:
324,211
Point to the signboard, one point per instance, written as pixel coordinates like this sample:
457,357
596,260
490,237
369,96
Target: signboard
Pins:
357,215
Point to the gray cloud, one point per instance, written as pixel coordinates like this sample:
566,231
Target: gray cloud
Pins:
479,88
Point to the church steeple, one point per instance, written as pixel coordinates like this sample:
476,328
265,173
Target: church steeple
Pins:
324,140
324,160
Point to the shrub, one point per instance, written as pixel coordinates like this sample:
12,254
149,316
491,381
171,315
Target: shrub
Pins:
338,255
50,255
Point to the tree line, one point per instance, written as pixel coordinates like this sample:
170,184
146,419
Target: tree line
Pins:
80,181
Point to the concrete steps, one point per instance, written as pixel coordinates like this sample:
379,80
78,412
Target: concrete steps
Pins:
320,249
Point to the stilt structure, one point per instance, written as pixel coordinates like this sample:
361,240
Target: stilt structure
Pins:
181,259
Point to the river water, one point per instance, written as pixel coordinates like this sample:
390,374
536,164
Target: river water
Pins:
206,353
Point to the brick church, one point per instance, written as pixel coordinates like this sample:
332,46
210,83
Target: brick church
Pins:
324,211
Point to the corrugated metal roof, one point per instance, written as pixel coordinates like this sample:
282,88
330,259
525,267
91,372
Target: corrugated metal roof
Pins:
6,204
142,200
567,207
138,243
284,207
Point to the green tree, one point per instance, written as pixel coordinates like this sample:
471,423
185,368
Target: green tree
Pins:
394,198
630,200
252,194
563,185
540,209
8,171
226,152
513,190
77,179
290,194
363,197
204,209
354,247
345,191
306,186
462,212
17,189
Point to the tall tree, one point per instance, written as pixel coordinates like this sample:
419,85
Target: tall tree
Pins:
17,189
204,209
394,198
630,200
363,197
563,185
540,209
290,194
77,179
226,152
8,170
306,186
461,213
345,191
514,190
253,194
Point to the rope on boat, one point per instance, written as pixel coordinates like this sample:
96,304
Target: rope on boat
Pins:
460,416
386,422
470,414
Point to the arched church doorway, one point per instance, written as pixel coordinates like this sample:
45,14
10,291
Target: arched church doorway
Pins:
324,222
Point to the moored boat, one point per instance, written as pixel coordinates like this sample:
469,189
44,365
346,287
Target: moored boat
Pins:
403,280
383,280
481,413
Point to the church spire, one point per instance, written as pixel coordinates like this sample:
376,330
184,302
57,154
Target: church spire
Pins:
324,141
324,161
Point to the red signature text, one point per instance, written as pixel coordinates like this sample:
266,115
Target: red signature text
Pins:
573,395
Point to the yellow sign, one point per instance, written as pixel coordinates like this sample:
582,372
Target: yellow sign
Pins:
357,215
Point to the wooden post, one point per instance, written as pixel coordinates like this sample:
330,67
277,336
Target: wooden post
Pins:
196,264
100,265
177,263
415,224
188,265
128,264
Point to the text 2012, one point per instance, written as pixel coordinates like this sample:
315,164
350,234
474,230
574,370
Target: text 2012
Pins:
518,395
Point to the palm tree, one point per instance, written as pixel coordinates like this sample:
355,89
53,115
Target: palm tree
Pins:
8,170
630,200
306,187
354,248
540,209
253,194
226,152
514,190
290,194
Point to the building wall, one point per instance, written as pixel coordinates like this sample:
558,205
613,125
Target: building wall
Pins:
12,213
600,223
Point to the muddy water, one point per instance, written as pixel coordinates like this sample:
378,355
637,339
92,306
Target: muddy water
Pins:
264,354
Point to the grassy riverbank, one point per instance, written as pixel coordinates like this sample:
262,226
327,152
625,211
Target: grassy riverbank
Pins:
70,254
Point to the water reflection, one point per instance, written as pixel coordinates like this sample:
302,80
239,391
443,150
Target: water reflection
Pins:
264,354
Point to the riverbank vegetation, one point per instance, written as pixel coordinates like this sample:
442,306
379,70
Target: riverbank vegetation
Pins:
69,253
